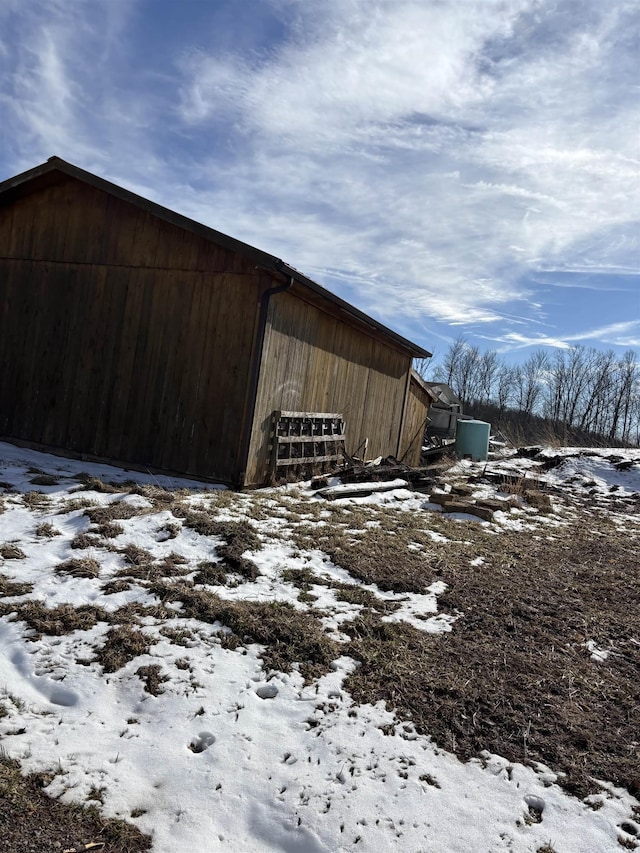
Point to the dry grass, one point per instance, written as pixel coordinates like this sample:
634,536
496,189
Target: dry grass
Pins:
211,574
514,676
378,554
9,587
79,568
83,541
288,635
74,504
116,511
31,821
178,636
152,678
132,613
169,531
108,530
239,537
44,480
114,586
158,495
123,643
35,500
54,621
136,556
90,483
47,531
304,579
142,566
353,594
10,551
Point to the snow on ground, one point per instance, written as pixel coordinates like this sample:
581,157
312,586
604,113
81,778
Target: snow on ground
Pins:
231,757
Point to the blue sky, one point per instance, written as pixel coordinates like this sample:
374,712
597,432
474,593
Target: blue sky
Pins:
453,168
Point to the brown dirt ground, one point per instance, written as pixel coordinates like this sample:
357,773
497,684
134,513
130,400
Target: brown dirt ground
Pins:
514,676
32,822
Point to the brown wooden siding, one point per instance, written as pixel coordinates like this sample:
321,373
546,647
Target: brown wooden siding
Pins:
121,335
312,361
417,407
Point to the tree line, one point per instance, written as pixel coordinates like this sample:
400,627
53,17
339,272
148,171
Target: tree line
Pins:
584,388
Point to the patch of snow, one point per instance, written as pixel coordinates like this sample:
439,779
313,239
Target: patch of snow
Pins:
597,654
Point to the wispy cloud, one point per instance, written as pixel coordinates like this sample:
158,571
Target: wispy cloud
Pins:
624,334
61,90
459,128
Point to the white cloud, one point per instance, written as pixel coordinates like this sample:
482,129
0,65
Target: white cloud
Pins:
387,121
59,92
513,341
623,334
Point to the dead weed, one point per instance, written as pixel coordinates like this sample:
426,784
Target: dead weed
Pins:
54,621
515,677
85,567
10,551
288,635
239,537
33,821
123,643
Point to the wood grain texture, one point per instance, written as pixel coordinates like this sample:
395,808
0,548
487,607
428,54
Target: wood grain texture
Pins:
311,361
122,336
417,407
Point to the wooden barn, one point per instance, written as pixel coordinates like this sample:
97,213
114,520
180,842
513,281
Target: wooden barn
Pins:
131,334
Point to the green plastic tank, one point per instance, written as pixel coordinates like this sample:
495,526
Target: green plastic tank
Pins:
472,440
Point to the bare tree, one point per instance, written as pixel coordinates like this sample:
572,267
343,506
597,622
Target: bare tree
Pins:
449,370
578,387
423,366
528,381
624,382
489,368
505,386
595,408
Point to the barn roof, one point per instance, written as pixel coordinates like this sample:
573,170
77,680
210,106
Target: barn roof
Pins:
44,174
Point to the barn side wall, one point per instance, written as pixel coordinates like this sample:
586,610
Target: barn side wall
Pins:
122,336
315,362
417,407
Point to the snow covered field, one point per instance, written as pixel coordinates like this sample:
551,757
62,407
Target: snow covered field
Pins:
191,735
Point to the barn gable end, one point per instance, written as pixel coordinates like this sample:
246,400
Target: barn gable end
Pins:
115,325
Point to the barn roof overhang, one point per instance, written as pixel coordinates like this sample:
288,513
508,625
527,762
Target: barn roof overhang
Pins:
46,174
